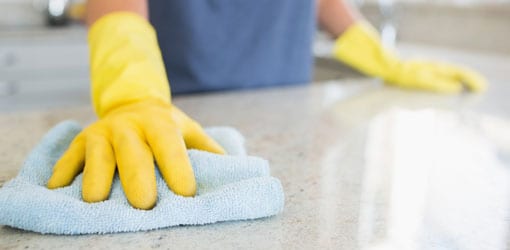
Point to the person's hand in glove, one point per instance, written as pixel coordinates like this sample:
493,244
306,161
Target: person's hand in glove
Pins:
359,46
137,125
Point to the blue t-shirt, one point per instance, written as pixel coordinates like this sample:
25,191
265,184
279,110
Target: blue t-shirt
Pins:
219,44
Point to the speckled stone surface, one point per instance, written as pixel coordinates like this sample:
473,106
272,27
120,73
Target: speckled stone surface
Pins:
314,137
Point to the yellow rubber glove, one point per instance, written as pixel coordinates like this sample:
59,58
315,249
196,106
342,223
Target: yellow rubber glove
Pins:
360,47
137,121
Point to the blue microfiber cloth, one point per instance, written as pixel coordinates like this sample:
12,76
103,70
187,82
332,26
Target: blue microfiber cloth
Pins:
230,187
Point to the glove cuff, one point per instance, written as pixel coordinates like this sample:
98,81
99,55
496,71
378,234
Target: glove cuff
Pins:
125,61
360,47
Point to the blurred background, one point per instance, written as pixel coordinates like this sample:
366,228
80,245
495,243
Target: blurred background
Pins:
44,60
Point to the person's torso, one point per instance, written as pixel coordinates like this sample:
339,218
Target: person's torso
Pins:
218,44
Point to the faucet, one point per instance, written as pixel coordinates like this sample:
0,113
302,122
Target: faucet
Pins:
61,12
56,13
387,27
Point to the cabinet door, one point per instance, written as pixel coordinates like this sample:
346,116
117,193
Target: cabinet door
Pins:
47,60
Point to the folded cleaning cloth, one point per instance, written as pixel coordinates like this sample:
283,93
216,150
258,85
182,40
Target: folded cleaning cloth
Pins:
229,187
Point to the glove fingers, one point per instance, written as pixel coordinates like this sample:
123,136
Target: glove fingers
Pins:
442,84
194,135
429,76
445,86
471,79
99,169
196,138
136,167
69,165
170,152
439,69
430,83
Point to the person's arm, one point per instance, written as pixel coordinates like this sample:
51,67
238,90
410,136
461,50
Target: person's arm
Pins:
137,122
95,9
335,16
358,45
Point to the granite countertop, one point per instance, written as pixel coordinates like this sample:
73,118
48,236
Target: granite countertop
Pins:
313,135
